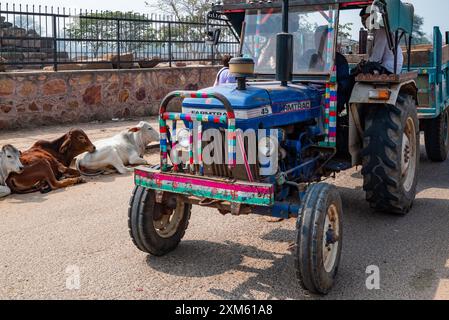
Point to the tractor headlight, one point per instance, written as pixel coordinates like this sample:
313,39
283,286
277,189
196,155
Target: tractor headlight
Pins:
183,136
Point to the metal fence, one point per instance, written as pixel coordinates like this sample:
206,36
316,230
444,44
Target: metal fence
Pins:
40,36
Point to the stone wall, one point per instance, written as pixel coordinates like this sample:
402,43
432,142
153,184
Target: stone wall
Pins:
30,99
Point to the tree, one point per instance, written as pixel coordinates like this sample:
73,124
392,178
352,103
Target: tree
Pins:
345,30
419,36
182,8
100,28
189,37
188,28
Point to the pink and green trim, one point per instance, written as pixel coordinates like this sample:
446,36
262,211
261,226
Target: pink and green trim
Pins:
199,95
330,120
192,117
233,191
164,116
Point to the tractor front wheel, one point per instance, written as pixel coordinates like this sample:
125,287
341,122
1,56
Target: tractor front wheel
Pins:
391,155
156,228
436,134
319,238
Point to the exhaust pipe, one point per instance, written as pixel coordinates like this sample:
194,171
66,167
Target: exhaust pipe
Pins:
284,50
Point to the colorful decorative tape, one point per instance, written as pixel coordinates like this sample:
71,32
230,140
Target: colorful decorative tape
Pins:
200,147
191,159
195,95
163,143
174,146
330,120
232,150
257,45
239,192
245,158
228,119
330,40
195,117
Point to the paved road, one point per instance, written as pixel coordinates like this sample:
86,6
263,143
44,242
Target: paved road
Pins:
221,256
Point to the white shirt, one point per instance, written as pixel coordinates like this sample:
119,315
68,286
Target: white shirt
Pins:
383,54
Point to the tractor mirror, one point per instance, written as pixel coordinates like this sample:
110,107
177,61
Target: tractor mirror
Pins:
213,37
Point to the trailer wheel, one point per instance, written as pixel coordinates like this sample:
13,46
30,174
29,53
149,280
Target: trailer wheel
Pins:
391,156
156,228
436,134
319,238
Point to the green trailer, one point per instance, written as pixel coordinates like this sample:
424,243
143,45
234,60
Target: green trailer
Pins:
432,64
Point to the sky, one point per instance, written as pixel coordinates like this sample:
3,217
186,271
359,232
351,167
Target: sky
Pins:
435,12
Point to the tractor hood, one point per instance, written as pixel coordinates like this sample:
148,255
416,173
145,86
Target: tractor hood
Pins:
262,105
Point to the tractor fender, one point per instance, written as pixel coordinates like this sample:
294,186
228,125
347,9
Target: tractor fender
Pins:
360,93
360,99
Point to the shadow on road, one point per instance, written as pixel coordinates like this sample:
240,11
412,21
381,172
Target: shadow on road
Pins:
37,197
204,259
411,251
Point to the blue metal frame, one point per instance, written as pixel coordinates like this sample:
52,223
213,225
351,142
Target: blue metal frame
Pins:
438,84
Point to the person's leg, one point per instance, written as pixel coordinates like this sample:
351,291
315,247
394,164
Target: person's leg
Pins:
345,87
344,80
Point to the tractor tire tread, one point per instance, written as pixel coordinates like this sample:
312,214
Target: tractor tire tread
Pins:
382,156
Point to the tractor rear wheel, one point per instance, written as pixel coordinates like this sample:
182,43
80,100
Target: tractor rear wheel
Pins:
156,228
319,238
436,134
391,155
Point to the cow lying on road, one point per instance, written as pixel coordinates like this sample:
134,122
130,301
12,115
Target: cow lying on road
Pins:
126,148
49,161
60,152
9,163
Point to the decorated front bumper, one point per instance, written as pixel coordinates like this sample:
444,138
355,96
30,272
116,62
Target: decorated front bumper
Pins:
257,194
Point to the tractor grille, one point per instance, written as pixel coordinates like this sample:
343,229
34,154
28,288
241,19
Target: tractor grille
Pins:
222,170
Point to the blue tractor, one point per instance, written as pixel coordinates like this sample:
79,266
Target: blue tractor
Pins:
266,144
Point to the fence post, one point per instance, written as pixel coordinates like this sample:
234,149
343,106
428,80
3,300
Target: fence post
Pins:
118,43
169,45
55,44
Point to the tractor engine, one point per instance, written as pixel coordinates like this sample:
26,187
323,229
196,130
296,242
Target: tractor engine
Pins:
274,124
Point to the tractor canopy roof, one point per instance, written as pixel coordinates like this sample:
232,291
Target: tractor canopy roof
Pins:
400,14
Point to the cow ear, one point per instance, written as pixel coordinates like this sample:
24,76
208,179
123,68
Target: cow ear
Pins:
134,129
65,146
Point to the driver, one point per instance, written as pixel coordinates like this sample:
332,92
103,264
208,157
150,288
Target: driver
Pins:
382,54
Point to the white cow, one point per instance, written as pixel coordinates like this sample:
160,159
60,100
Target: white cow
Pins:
9,163
126,148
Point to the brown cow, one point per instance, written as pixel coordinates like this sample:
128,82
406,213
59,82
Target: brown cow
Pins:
48,161
60,152
38,176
